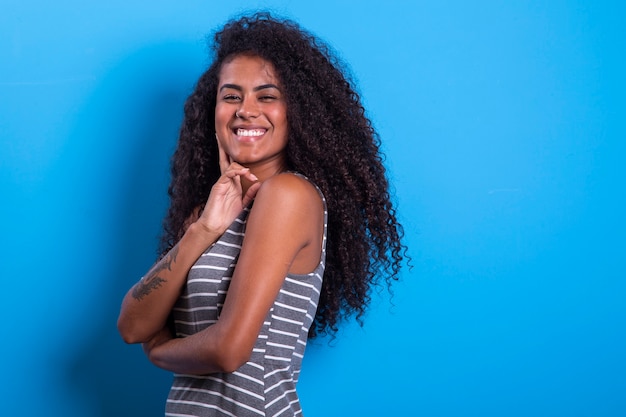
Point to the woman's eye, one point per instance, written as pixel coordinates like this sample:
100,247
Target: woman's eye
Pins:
267,98
231,97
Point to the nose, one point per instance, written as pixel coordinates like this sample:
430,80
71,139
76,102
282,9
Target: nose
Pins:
247,109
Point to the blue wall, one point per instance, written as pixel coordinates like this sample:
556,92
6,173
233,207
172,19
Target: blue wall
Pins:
504,127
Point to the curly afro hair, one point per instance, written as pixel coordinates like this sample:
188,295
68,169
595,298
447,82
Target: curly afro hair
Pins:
331,141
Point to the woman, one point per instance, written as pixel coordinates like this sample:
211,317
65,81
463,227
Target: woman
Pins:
276,137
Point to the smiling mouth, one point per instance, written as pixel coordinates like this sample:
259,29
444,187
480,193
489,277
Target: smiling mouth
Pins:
250,132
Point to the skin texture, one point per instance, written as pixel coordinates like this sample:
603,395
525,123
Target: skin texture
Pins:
283,232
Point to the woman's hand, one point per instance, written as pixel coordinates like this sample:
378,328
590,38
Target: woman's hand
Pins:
227,197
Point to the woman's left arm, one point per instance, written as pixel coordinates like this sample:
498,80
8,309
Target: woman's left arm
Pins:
283,229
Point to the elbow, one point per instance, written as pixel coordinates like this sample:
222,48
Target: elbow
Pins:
232,351
131,333
230,362
128,336
131,339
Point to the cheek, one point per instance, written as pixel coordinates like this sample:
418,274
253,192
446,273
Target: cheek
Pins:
221,117
280,118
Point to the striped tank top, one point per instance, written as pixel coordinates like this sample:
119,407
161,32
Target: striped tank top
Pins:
266,384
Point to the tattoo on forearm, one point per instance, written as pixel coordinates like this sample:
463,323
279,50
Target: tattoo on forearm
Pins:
151,281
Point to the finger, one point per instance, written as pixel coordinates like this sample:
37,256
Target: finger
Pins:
251,193
250,176
224,158
236,170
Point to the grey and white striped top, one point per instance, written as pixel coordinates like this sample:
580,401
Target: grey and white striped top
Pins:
266,384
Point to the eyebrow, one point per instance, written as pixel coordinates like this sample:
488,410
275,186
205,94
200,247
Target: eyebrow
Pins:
258,88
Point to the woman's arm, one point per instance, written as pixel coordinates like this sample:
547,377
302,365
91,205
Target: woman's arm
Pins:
283,234
148,303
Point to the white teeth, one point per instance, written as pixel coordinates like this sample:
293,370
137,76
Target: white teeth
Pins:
250,132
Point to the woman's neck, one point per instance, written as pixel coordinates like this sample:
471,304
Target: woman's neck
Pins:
262,172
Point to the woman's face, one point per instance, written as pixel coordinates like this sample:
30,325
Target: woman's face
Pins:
251,113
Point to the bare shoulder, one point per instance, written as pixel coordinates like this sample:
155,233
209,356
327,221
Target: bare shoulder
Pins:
287,220
289,188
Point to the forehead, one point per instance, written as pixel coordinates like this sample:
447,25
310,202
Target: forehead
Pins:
247,69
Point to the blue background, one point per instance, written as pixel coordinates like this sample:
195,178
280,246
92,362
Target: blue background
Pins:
504,128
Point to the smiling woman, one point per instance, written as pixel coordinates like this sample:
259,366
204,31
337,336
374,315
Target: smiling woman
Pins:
251,115
279,224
